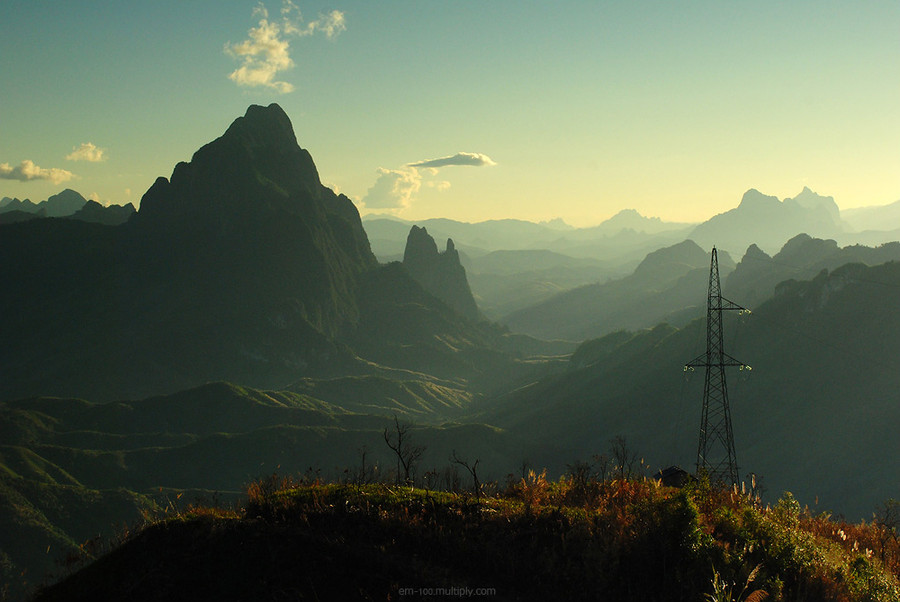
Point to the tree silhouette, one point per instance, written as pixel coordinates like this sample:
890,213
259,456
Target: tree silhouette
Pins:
408,455
473,470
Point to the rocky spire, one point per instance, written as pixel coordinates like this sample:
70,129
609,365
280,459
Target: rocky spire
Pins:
441,274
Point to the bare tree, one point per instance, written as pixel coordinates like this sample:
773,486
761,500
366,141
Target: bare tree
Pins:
451,478
408,455
365,473
602,463
473,470
524,467
623,458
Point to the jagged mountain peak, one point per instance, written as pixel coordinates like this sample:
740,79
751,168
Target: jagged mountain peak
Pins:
808,199
441,274
255,165
420,246
754,252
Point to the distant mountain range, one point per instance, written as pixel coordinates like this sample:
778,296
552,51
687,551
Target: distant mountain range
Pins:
769,223
824,381
240,324
67,203
624,235
668,287
667,283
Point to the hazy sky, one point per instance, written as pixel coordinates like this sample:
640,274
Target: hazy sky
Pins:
467,110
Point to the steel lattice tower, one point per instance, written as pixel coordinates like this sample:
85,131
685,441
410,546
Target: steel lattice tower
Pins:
715,452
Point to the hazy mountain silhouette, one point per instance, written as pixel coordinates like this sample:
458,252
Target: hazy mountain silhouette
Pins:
769,223
67,203
621,236
111,215
440,273
512,264
663,286
18,215
62,204
630,219
507,281
803,257
13,204
824,381
873,225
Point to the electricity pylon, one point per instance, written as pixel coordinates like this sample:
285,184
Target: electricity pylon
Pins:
715,452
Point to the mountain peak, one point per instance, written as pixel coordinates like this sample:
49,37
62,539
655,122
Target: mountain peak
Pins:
441,274
687,253
256,165
262,127
808,199
754,199
420,247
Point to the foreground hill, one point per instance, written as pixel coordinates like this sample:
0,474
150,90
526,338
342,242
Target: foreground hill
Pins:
573,540
71,470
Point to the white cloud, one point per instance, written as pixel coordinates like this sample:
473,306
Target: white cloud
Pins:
27,171
331,24
266,52
88,151
394,189
470,159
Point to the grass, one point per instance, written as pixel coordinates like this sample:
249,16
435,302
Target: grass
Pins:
528,539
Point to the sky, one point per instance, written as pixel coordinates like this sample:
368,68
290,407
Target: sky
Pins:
466,110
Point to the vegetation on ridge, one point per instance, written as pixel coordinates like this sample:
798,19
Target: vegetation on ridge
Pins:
576,538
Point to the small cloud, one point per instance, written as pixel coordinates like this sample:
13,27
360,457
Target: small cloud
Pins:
27,171
331,24
440,185
470,159
94,196
266,52
87,152
394,189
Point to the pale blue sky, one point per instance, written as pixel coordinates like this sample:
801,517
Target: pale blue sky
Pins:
576,109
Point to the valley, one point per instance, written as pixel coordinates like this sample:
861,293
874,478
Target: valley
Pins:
245,321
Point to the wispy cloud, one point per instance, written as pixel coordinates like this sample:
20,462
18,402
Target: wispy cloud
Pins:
88,151
266,51
27,171
470,159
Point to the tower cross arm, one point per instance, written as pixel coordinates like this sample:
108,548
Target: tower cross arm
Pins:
703,361
726,304
697,362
